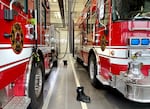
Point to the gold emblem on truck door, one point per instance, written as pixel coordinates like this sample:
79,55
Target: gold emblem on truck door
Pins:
103,42
17,38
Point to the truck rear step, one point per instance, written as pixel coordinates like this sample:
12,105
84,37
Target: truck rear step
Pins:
18,102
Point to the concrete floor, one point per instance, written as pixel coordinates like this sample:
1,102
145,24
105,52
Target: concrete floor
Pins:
60,90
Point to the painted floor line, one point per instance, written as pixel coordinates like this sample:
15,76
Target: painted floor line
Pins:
83,105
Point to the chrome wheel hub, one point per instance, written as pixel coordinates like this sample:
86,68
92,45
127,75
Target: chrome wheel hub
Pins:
92,70
38,82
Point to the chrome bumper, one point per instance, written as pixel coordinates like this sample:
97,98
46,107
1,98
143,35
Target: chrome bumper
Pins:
139,91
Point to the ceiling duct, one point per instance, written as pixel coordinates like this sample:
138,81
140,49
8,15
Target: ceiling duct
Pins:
61,7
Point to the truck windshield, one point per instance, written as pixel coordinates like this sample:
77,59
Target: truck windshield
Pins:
131,9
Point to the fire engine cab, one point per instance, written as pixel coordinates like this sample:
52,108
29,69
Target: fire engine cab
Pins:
25,54
114,43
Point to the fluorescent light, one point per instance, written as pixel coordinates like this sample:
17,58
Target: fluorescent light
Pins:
54,0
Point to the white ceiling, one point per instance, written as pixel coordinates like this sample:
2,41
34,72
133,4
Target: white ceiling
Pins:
55,18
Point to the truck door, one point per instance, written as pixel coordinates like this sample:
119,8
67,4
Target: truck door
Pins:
103,17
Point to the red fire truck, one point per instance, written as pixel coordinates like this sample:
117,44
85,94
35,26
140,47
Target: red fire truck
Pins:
114,42
25,55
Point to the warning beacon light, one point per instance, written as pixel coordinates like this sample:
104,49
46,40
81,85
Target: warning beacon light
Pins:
139,41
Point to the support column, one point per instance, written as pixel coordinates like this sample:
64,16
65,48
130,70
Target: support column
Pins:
70,26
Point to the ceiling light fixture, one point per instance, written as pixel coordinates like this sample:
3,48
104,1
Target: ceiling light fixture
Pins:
54,0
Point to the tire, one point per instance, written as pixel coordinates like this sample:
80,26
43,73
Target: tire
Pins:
79,61
92,68
55,63
36,84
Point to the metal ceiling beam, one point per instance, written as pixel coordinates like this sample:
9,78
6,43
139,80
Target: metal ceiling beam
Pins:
61,7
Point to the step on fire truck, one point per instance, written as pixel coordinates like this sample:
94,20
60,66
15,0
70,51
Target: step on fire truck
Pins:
25,53
114,42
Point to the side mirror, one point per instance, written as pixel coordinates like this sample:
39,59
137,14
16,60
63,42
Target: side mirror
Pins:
101,9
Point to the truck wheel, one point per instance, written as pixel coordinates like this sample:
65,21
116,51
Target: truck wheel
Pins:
79,60
55,63
93,71
36,85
